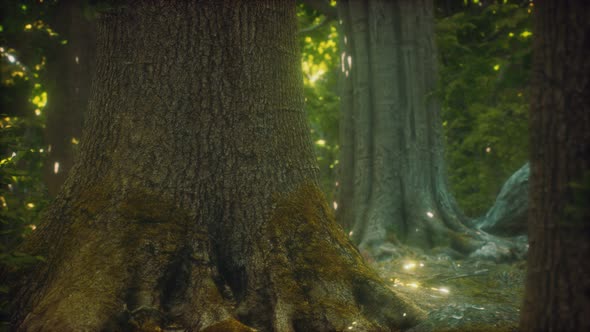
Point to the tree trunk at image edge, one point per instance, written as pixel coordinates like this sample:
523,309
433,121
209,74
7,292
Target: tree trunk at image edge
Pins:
557,294
392,181
194,204
69,71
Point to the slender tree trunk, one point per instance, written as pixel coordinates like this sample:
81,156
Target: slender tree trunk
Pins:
392,174
69,71
557,296
194,203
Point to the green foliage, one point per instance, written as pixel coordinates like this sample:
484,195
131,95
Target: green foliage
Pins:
320,61
24,38
22,193
485,54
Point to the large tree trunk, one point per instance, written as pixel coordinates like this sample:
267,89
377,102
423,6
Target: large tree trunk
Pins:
392,181
69,71
557,296
194,203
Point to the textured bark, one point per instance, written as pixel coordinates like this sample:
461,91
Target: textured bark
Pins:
508,215
557,295
68,76
392,176
194,204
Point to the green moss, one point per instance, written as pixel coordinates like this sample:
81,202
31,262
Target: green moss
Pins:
106,253
481,287
482,328
228,325
93,200
308,246
304,226
138,204
313,257
491,287
148,207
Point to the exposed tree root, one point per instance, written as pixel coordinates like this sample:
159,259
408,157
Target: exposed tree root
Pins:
321,277
128,269
437,225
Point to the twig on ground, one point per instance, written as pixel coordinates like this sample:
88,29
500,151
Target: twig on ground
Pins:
474,274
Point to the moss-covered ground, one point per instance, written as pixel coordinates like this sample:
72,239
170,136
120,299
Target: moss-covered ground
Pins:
467,295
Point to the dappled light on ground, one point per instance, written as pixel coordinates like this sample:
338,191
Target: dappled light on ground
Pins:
468,295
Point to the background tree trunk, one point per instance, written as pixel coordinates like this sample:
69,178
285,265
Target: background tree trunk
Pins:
69,71
508,215
557,296
392,181
194,203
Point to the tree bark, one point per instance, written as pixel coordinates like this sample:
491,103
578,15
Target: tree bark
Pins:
68,77
194,204
392,181
508,215
557,295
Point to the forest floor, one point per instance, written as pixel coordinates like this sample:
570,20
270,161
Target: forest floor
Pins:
467,295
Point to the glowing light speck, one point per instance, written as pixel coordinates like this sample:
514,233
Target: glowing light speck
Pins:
526,34
11,58
317,75
409,266
430,214
350,234
335,204
56,167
